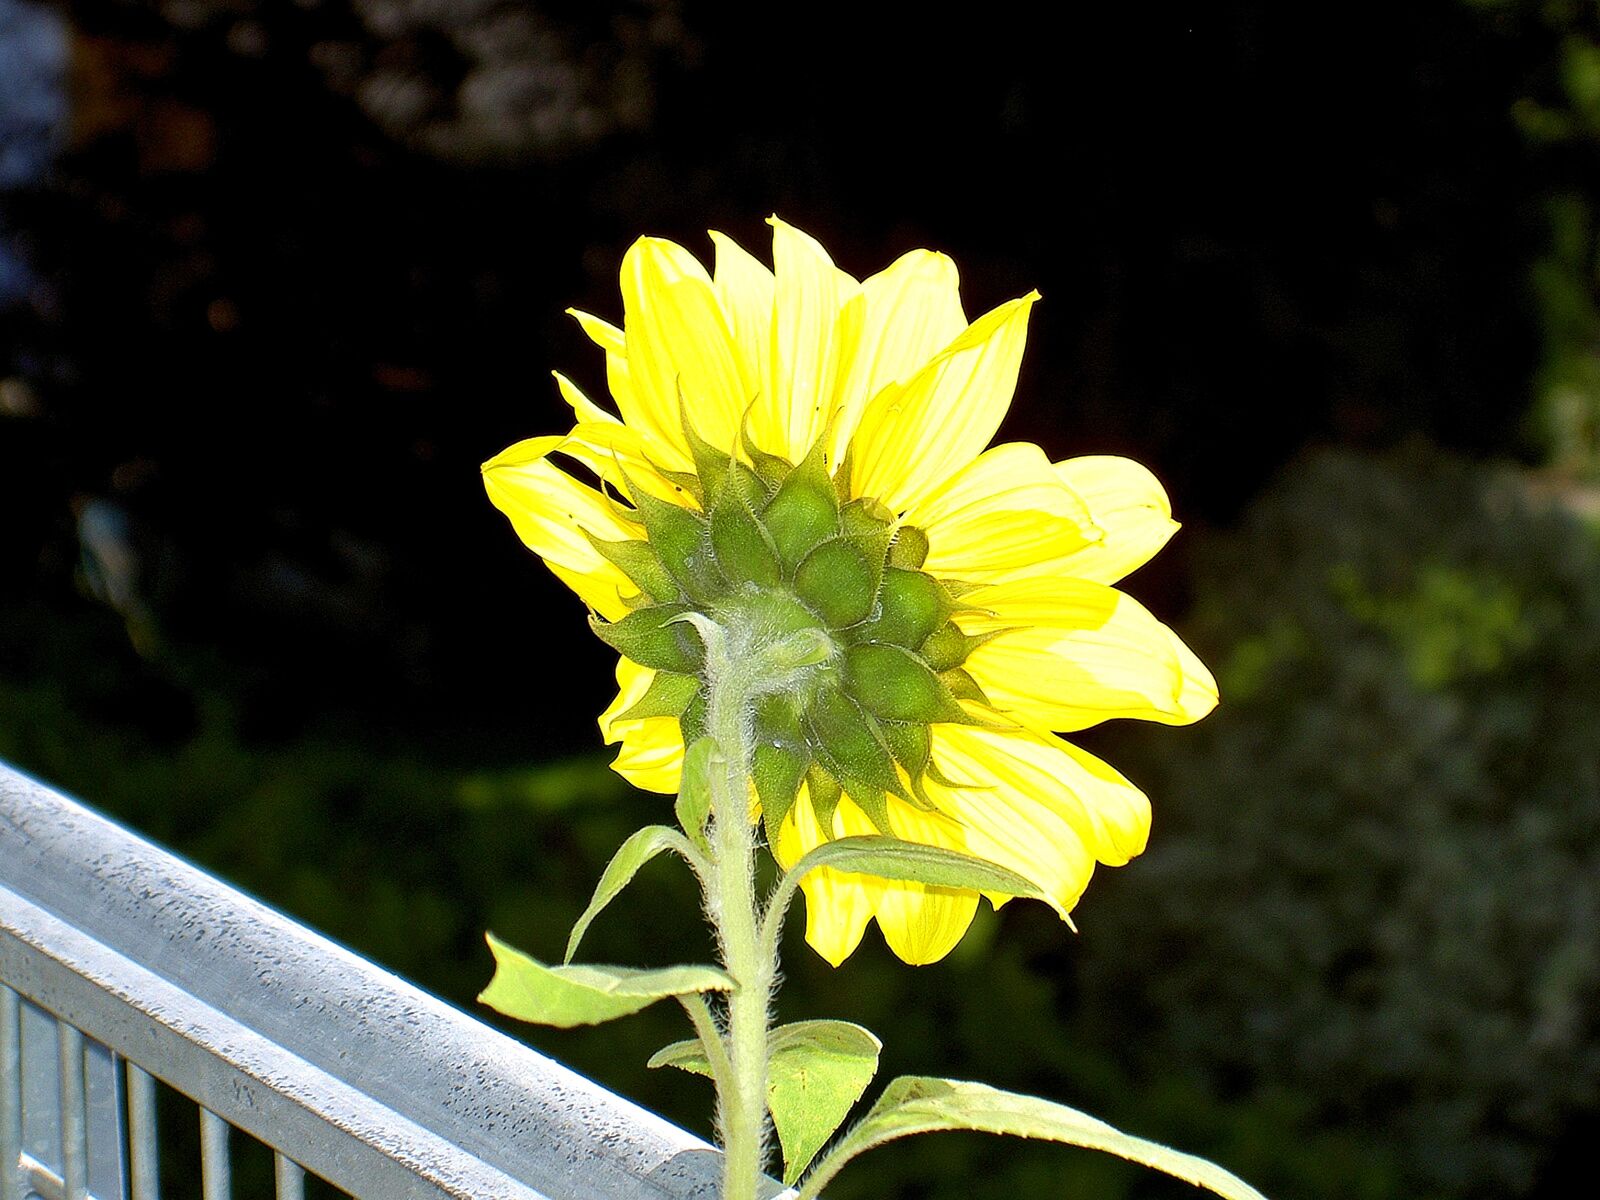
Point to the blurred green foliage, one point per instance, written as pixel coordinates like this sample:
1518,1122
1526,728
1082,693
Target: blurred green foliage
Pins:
1559,116
1373,889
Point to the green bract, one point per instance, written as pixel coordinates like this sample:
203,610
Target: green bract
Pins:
827,587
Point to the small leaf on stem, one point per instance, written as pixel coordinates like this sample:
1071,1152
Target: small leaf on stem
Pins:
529,990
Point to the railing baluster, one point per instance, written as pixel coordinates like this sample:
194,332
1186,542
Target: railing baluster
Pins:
10,1095
216,1172
291,1179
142,1134
74,1115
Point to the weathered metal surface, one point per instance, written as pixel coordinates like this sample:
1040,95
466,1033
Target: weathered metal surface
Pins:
350,1071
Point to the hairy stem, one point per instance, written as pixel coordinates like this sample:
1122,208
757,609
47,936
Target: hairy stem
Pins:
742,1105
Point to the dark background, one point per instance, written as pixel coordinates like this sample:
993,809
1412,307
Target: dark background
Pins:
276,277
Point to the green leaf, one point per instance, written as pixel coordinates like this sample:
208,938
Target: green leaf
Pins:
625,863
893,683
693,805
915,1104
565,996
654,637
687,1056
816,1073
667,696
914,862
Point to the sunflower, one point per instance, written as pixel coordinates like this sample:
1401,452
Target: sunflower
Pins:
796,451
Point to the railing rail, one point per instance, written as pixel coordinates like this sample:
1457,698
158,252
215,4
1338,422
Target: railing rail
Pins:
342,1068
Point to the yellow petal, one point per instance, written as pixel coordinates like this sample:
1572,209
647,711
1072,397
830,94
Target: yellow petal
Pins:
911,311
811,337
922,924
1129,504
913,436
838,904
584,410
652,748
551,512
1068,653
618,454
633,681
610,339
1036,804
1001,514
678,345
651,757
744,287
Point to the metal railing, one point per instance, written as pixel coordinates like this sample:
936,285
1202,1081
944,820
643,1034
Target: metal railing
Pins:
129,978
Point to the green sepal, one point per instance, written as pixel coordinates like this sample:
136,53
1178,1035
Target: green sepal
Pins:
963,686
945,647
873,801
911,606
693,720
933,772
639,849
804,510
637,560
909,550
744,550
844,737
841,473
893,683
527,989
653,637
693,805
684,481
961,587
667,696
682,541
710,464
912,747
777,771
771,468
865,515
744,483
839,579
824,791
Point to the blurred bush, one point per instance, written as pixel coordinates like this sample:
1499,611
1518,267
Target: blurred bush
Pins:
1373,890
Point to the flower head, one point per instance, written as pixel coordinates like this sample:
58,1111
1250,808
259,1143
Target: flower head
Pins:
803,457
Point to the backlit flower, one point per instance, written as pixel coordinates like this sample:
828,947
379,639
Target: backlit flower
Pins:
802,452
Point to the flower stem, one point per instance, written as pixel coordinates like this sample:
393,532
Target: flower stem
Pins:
742,1103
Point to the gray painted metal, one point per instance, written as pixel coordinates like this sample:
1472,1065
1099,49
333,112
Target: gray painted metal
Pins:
356,1075
144,1158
